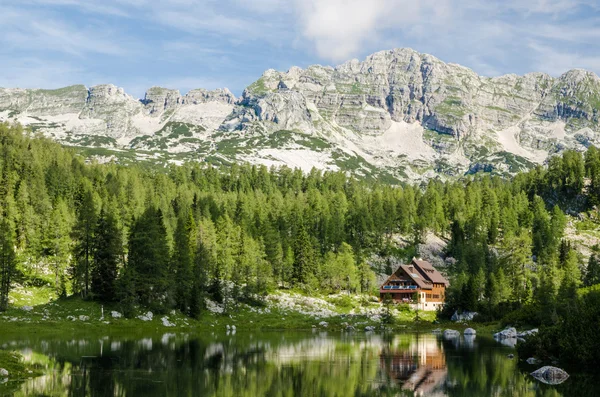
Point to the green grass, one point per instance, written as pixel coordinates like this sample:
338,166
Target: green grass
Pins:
56,317
94,140
258,87
63,91
451,106
499,109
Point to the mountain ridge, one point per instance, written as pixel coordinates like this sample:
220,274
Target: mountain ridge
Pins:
398,114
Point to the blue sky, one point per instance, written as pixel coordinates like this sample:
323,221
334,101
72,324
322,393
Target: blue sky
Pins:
187,44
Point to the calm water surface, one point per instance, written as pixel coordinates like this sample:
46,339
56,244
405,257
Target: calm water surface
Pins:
280,364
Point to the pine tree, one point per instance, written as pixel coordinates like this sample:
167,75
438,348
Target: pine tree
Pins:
107,250
8,260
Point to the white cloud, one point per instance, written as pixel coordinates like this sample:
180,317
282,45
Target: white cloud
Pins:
556,62
340,28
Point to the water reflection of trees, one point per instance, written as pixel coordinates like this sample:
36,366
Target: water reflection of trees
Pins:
278,365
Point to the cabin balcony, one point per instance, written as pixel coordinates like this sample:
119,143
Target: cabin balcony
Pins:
388,288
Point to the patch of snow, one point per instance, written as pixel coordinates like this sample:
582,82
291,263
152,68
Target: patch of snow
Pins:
295,158
508,139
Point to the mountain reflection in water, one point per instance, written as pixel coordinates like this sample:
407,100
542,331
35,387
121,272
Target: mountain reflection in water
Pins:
279,364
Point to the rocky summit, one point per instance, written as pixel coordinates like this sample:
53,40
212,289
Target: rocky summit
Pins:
398,115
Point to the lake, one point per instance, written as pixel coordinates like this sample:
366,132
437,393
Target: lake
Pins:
280,364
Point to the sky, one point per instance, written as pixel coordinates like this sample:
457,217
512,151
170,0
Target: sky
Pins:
186,44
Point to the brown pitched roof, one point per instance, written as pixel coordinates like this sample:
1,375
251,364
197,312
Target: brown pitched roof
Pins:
413,273
421,272
429,272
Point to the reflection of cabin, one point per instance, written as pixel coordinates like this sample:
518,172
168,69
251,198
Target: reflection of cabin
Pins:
420,367
417,283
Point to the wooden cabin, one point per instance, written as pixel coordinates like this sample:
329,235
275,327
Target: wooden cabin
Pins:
418,284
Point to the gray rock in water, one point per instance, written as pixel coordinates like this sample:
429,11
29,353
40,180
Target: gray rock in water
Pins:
451,333
532,361
507,333
470,331
3,373
550,375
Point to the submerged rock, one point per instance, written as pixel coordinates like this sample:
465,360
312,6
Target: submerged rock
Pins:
550,375
470,331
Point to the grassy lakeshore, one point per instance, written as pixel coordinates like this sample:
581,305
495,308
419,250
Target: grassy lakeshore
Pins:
17,369
75,316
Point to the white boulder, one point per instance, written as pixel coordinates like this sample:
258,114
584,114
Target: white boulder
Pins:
525,334
115,314
84,318
3,373
470,331
166,322
146,317
464,316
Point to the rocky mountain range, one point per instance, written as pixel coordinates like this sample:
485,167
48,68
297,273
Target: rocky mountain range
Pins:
398,115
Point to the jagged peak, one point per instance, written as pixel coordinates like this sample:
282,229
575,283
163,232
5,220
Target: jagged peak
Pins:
579,75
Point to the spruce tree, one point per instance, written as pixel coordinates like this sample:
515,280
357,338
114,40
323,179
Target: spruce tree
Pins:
107,253
8,260
592,274
304,260
83,233
182,261
148,259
